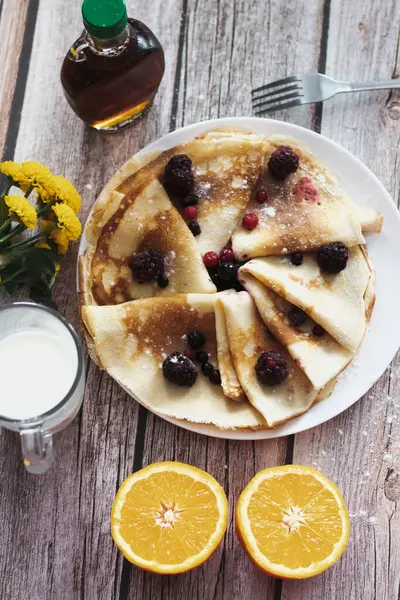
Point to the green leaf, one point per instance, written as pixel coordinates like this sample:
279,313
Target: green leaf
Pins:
42,295
35,267
3,211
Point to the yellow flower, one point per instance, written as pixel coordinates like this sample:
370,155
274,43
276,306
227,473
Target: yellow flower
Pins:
43,245
60,238
14,171
22,209
45,194
41,178
67,221
46,224
66,193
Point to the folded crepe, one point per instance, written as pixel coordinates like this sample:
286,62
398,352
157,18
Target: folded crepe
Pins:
144,220
131,341
230,382
307,209
247,340
226,165
321,358
336,302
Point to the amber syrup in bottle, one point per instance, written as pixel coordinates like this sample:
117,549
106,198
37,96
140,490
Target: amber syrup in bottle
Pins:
112,72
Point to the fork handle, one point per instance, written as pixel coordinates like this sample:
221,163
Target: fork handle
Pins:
389,84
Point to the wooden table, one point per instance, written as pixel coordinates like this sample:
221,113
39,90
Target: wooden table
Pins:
54,529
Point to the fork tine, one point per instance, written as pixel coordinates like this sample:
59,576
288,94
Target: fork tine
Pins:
277,83
278,101
276,94
259,112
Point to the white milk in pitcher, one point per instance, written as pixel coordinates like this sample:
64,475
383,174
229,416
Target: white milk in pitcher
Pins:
38,369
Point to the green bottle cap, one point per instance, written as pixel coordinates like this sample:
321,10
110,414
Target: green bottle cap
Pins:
104,19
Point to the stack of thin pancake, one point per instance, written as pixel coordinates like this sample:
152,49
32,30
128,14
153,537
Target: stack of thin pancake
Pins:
132,327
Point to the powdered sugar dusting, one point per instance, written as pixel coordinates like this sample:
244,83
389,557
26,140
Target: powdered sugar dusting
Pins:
169,260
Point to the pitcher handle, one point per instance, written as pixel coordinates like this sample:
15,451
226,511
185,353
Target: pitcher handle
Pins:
37,449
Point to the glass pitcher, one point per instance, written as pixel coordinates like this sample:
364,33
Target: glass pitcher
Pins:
36,432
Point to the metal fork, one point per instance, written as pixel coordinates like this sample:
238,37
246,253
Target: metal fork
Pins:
303,89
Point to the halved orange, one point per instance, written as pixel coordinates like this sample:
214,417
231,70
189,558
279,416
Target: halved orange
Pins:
169,517
292,521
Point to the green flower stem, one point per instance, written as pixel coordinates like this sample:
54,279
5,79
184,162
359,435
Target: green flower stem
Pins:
4,281
23,244
6,224
45,209
28,191
18,229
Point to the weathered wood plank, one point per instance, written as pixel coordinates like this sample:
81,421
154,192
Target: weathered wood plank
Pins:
360,449
17,24
228,49
56,526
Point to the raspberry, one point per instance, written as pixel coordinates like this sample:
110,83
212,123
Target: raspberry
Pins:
250,221
211,259
190,212
333,258
190,353
146,266
178,175
297,258
272,368
261,196
194,228
190,200
283,162
179,369
304,188
196,339
226,255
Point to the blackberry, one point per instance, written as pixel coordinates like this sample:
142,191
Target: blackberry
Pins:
283,162
297,316
178,175
215,377
271,368
238,286
227,271
146,266
297,258
162,281
333,258
179,369
318,331
190,200
207,368
195,339
202,357
194,228
217,281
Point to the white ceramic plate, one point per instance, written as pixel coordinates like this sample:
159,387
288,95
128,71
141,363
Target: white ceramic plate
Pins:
383,337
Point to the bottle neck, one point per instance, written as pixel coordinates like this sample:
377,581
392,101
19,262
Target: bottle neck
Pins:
109,47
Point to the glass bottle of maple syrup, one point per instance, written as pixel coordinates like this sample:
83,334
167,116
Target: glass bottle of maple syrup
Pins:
112,72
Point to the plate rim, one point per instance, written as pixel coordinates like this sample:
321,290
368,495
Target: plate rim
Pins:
164,142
